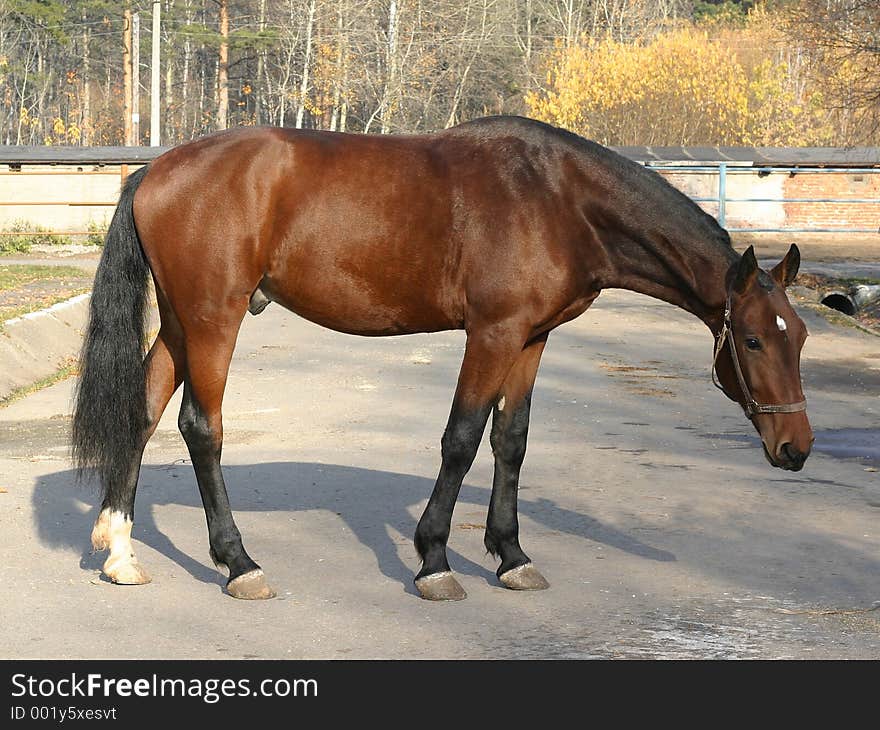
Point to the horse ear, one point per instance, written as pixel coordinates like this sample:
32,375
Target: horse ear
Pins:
746,272
786,270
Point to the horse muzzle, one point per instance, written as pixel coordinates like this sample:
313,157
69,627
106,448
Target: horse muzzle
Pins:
787,457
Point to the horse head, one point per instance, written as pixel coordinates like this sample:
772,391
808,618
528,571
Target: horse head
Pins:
757,357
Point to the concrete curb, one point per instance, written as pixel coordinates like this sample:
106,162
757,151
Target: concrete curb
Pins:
36,345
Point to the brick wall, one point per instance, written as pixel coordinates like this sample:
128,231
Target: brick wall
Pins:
854,186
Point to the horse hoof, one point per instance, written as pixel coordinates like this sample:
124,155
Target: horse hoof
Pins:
251,586
127,574
440,587
524,578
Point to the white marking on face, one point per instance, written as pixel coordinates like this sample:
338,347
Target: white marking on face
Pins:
780,322
501,404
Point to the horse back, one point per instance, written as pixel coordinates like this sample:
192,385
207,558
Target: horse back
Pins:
365,234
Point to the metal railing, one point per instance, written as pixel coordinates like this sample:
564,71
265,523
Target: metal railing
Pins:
721,199
740,161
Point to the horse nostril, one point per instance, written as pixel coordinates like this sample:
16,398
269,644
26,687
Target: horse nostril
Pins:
792,455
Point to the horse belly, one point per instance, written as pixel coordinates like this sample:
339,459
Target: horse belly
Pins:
365,304
366,259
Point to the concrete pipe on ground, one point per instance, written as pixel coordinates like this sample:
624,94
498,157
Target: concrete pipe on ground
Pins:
854,300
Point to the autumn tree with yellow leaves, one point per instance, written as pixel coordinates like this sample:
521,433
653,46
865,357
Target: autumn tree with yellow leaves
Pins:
655,92
709,84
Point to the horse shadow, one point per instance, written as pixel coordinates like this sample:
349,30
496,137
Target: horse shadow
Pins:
372,503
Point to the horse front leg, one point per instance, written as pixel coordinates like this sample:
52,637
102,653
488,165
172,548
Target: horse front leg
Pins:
510,428
489,354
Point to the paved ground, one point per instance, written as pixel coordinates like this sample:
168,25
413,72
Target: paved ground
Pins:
646,502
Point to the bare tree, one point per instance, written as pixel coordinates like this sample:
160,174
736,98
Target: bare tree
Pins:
843,39
306,68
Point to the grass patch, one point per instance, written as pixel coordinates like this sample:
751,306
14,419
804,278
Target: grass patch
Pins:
25,236
15,276
7,313
27,288
858,281
63,374
825,281
97,233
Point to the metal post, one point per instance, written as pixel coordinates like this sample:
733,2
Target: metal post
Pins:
136,78
722,194
154,77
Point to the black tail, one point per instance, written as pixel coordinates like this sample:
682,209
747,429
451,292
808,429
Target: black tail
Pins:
111,405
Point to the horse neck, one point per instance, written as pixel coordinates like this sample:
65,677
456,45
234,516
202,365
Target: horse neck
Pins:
651,238
682,267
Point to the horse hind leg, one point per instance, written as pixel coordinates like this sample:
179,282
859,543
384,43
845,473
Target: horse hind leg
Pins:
112,530
208,355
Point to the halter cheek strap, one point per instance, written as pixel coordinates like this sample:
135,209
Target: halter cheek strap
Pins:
751,406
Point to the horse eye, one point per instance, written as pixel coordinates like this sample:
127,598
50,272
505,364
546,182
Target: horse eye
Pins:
753,343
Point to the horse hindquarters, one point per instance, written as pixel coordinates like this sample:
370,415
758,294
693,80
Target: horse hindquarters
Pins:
121,395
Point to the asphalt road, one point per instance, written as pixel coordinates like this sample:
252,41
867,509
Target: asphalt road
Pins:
646,502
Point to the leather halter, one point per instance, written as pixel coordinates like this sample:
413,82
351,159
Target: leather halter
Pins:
751,407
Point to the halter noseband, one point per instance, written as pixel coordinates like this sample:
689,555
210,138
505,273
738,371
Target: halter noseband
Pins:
751,407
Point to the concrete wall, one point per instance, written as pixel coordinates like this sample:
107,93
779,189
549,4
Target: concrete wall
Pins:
87,195
72,197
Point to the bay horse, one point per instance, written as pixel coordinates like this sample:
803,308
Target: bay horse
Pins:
504,227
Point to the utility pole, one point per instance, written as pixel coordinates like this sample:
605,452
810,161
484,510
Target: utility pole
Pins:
126,75
154,78
136,78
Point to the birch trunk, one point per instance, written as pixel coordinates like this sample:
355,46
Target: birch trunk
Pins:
261,65
304,83
86,123
391,66
223,68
